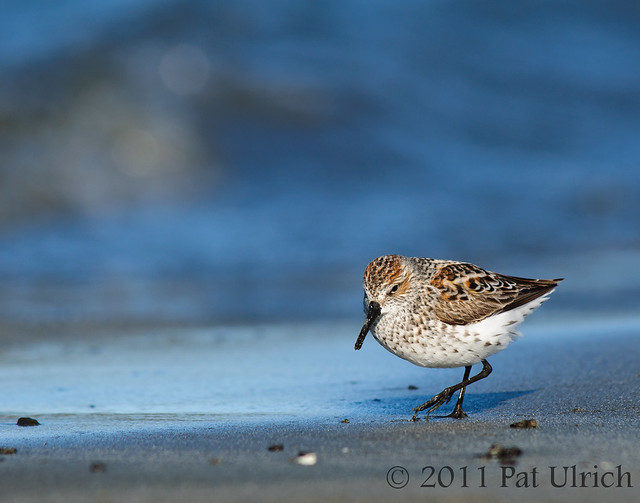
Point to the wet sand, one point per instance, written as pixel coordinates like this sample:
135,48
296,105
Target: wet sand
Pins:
190,415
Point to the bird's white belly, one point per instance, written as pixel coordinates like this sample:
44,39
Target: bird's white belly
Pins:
441,345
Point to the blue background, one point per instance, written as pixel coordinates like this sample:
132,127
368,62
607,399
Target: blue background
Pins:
206,162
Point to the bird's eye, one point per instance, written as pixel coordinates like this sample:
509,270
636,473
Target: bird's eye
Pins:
394,289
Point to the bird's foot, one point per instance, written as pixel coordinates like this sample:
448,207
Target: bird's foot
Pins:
457,413
440,399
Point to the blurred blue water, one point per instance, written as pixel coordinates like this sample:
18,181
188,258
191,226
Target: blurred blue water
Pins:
212,160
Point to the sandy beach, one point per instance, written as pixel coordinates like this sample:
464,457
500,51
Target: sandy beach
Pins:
190,415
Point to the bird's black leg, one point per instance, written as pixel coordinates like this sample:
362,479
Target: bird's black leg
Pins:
458,413
445,395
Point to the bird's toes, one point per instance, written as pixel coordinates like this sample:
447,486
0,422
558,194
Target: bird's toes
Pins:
446,395
436,404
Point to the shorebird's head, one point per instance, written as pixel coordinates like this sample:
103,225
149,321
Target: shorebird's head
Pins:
386,283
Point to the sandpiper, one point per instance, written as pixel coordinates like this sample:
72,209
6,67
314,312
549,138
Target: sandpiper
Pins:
443,314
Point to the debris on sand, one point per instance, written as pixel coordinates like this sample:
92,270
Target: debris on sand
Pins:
305,458
97,467
27,421
506,455
525,423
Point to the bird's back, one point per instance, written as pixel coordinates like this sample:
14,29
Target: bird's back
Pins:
461,313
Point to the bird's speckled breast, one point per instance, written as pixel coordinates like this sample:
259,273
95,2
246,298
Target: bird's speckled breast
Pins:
431,343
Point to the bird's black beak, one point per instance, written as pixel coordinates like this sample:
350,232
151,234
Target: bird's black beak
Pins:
373,312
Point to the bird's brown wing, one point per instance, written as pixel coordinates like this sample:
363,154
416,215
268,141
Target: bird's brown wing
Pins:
468,293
